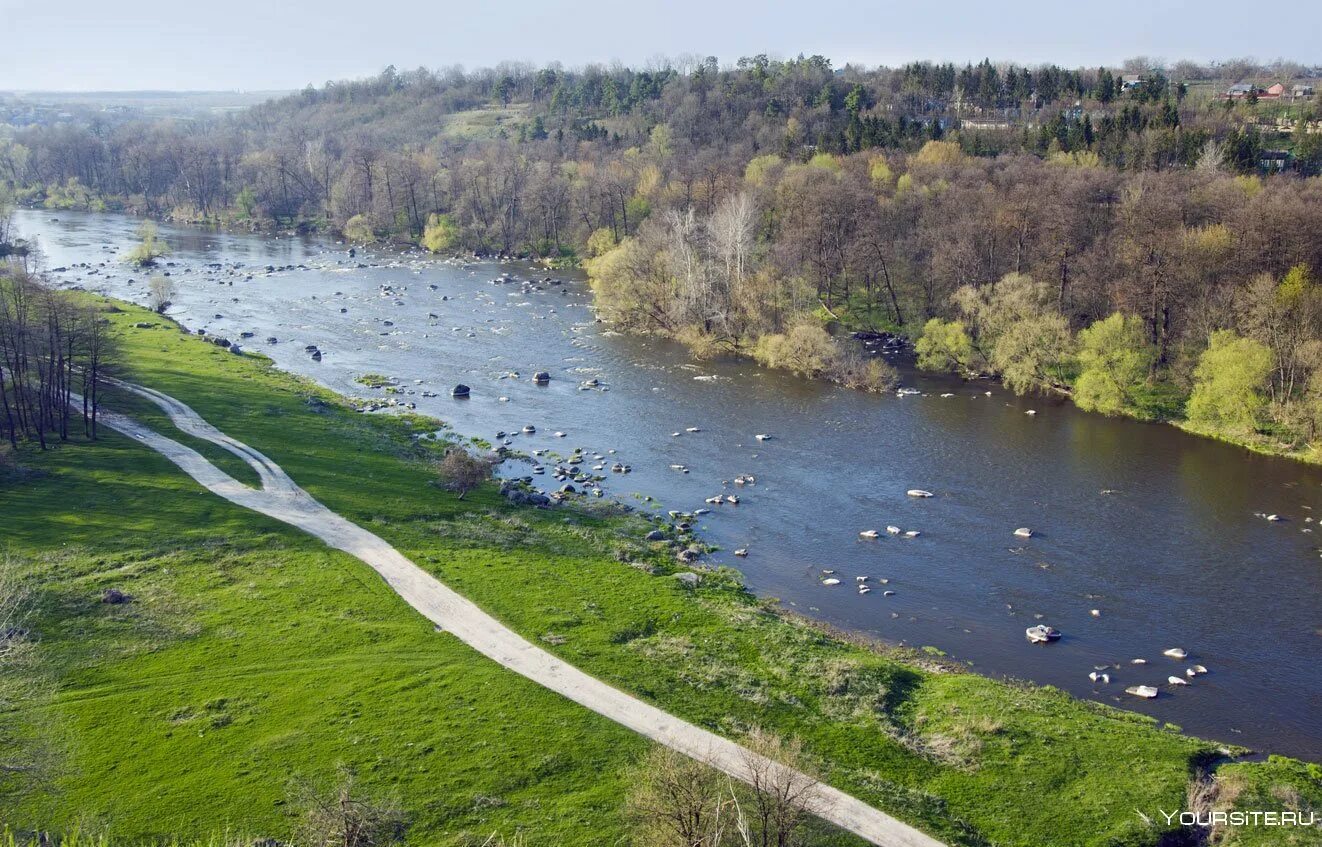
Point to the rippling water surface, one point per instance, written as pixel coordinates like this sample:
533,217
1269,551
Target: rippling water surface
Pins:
1175,554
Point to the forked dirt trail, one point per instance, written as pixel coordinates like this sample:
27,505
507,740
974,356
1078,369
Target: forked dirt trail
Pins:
281,498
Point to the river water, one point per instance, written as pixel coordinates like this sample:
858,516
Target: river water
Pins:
1159,531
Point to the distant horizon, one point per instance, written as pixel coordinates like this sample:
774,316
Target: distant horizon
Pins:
285,90
85,47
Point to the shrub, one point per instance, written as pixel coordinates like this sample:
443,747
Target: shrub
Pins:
806,350
440,235
160,291
944,346
461,471
861,373
359,229
150,248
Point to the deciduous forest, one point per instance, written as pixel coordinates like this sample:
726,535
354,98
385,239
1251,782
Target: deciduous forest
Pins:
1118,234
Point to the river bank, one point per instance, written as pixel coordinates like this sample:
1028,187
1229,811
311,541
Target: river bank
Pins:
1157,530
964,756
810,359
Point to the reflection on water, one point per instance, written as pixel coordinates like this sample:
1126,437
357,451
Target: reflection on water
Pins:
1171,554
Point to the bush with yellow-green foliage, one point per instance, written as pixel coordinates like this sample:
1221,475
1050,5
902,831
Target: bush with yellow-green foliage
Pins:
150,248
359,229
1114,359
440,235
1010,329
945,346
1230,382
807,349
601,241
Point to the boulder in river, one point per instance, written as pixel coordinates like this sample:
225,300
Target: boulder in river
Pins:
460,390
1042,634
541,377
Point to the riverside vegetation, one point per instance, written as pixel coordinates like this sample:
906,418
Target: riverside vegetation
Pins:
185,662
746,209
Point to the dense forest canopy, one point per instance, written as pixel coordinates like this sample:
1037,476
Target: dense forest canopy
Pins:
1108,232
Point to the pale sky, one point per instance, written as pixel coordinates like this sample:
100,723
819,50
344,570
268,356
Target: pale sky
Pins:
76,45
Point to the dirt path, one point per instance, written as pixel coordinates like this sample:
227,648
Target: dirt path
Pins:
282,499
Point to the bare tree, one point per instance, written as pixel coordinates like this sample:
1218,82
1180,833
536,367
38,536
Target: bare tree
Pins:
6,217
780,791
160,291
679,802
461,471
1211,161
732,227
48,344
345,817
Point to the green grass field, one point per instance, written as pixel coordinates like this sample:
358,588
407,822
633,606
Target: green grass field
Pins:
483,123
252,657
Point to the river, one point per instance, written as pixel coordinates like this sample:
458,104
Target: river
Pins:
1161,532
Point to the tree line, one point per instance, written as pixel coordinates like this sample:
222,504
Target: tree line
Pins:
393,149
752,208
52,347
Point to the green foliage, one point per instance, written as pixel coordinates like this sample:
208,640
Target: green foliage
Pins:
806,349
1016,328
945,346
359,229
72,194
441,235
1034,352
374,380
246,201
150,248
1114,360
600,241
1229,382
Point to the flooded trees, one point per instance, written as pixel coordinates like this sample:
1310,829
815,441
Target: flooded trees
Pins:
160,291
150,248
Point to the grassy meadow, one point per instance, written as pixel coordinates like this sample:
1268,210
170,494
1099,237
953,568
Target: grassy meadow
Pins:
252,659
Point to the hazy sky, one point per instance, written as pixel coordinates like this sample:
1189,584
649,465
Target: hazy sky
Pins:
264,44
